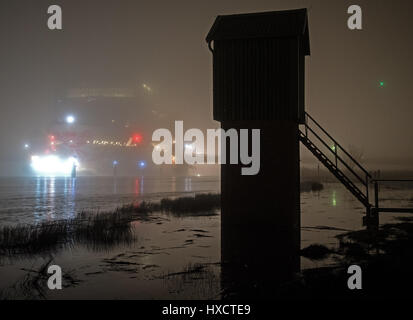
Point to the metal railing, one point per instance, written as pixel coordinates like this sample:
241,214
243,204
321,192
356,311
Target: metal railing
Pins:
377,207
344,159
338,152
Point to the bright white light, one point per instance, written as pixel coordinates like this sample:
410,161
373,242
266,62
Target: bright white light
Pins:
53,165
189,147
70,119
26,146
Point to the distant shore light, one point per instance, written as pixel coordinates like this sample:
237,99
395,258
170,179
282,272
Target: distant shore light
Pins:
70,119
53,165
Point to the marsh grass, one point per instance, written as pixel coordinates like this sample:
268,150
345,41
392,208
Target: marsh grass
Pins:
32,238
198,205
201,204
98,231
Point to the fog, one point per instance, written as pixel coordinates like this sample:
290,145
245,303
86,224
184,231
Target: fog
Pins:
161,44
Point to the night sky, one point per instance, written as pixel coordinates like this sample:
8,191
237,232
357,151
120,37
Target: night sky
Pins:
126,43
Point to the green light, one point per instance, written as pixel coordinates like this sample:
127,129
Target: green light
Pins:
334,199
381,83
333,147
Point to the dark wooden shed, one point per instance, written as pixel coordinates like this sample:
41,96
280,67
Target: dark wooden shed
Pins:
258,74
259,65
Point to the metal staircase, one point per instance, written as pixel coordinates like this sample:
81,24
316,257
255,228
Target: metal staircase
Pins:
340,163
345,168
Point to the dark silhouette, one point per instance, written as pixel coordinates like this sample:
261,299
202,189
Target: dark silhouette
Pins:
258,74
73,173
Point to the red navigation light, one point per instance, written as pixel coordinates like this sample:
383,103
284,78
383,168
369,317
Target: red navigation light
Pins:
137,138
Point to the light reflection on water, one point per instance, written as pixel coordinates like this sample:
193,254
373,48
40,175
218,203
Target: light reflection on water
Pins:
29,200
49,193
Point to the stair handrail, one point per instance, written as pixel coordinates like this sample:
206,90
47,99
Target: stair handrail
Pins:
336,144
376,193
338,157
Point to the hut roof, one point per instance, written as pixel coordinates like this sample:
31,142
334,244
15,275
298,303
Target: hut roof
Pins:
271,24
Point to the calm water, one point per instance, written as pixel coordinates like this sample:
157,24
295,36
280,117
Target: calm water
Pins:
28,200
165,245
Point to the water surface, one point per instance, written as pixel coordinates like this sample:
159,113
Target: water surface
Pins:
155,266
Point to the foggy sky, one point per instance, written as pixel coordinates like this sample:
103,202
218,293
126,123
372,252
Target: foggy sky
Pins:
125,43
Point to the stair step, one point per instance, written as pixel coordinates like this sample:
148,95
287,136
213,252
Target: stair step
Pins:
333,169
